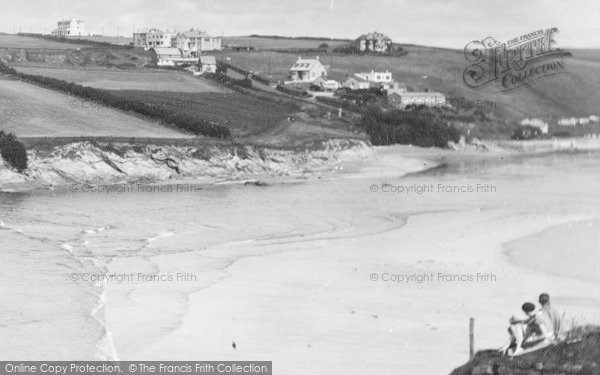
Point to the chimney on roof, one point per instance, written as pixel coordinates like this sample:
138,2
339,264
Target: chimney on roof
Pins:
317,58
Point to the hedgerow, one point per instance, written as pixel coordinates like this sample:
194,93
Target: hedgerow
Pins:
13,151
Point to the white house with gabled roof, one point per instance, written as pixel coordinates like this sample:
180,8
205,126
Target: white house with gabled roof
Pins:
356,83
307,70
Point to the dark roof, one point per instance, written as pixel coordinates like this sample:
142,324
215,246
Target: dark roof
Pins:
195,34
356,78
374,35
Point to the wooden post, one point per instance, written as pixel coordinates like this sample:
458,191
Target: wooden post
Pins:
471,337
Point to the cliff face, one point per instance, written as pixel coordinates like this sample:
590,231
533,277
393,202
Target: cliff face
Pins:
576,356
84,162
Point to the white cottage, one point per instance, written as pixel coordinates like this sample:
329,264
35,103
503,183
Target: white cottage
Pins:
307,70
208,64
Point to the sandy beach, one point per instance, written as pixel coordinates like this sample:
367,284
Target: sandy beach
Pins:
373,268
278,296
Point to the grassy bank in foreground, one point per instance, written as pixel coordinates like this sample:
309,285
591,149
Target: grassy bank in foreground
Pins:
579,354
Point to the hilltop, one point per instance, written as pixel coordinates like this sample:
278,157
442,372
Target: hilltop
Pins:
422,68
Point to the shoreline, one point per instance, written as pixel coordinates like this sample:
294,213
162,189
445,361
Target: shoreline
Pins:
89,163
129,164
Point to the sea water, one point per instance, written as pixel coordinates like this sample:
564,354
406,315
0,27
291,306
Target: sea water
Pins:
68,255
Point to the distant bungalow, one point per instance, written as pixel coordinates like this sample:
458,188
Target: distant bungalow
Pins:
356,83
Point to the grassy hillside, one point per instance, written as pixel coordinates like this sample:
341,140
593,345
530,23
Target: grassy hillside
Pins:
255,119
249,115
120,40
262,43
574,94
28,110
16,41
243,114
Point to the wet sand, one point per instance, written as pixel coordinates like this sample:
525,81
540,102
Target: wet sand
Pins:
322,275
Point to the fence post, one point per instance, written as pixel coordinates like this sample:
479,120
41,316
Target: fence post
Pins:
471,337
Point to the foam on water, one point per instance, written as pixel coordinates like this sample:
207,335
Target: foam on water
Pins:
67,247
162,235
94,231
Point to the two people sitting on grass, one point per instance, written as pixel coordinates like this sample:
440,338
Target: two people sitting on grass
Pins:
540,328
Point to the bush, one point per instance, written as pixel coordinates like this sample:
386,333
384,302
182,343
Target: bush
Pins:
416,128
247,83
126,65
221,68
13,151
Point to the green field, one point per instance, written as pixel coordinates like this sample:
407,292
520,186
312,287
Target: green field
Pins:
256,119
31,111
244,114
260,43
120,40
15,41
251,116
115,79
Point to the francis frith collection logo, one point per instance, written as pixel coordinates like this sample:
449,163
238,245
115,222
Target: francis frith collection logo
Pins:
514,63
